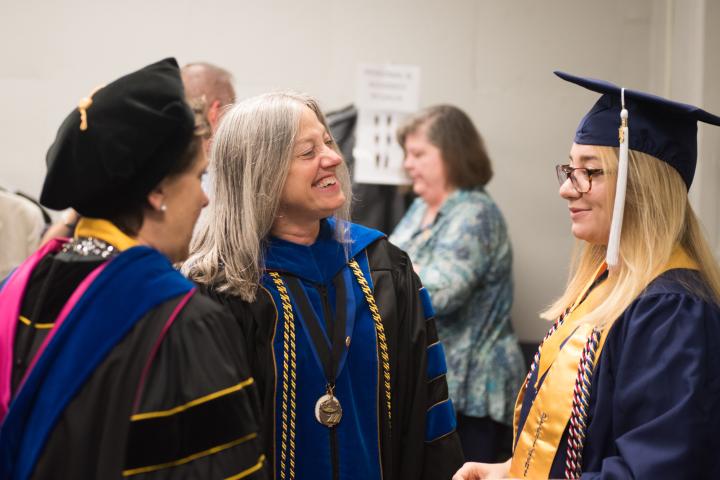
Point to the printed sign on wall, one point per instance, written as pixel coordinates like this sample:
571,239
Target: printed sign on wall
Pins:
385,95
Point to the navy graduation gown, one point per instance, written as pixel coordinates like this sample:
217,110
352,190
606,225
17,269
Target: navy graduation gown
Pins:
655,396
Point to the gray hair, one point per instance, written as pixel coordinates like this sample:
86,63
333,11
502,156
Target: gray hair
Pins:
251,155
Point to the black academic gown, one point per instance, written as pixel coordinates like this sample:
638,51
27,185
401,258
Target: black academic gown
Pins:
655,397
198,381
420,441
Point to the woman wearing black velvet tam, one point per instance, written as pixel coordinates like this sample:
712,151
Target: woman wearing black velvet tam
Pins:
627,382
110,364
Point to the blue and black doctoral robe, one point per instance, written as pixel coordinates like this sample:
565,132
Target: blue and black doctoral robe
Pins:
419,441
654,409
118,392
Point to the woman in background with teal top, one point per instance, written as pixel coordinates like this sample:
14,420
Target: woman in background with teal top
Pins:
458,242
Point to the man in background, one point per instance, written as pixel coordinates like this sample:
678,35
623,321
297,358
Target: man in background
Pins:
208,87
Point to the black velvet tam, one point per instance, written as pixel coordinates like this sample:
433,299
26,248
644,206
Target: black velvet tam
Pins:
115,147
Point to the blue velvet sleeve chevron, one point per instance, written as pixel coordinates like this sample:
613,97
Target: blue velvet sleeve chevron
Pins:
435,361
440,416
439,420
427,304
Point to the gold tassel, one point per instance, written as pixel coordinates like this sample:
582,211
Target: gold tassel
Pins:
83,105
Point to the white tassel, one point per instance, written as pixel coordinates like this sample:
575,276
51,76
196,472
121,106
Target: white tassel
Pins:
613,249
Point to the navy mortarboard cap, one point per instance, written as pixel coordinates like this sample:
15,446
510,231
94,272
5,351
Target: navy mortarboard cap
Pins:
659,127
633,120
120,141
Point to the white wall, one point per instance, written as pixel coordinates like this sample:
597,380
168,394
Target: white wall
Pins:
492,58
707,199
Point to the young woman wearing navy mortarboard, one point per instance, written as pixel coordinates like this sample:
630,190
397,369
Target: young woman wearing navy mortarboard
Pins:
626,384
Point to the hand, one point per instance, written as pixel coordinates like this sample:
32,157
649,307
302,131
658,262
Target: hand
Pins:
482,471
70,218
63,228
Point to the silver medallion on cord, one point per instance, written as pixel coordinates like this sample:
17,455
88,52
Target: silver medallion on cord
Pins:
328,410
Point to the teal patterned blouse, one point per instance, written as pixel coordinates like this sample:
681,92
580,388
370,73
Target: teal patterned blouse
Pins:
464,260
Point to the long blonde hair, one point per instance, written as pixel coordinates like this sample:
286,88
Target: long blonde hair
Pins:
658,217
251,156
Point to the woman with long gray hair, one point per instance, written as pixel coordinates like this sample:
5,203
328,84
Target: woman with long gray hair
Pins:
340,332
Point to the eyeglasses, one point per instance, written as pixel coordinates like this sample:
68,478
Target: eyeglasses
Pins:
581,178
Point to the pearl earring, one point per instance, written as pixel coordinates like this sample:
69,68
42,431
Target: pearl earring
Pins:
163,207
